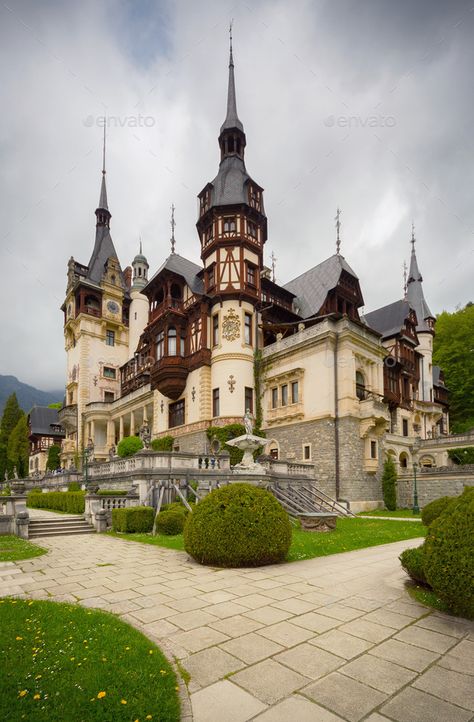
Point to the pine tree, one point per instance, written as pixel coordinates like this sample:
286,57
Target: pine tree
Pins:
11,416
18,448
389,484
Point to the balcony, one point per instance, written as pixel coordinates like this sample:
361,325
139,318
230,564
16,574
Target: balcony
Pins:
373,411
68,417
282,414
169,375
169,304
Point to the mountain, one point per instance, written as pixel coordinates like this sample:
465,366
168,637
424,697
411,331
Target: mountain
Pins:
27,395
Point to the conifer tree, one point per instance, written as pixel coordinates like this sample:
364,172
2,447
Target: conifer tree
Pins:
18,448
11,416
54,458
389,484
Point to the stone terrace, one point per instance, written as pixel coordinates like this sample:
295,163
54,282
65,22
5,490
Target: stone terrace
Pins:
328,639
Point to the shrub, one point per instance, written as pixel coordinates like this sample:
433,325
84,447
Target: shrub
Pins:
165,443
54,458
133,520
69,501
37,490
171,522
432,510
177,506
111,492
74,486
412,561
389,484
129,446
238,525
448,557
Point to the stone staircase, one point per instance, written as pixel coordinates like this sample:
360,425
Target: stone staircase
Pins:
59,526
307,499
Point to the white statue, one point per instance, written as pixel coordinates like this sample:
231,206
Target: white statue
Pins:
248,422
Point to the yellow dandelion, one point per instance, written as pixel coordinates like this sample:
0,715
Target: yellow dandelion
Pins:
127,647
162,671
150,652
123,701
148,716
104,659
101,694
38,676
73,659
37,696
177,689
23,693
18,638
30,603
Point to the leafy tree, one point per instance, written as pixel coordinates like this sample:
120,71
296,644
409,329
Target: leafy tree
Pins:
55,405
11,416
389,484
453,350
54,460
18,448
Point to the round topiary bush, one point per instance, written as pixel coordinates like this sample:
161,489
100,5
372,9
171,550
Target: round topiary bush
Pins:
170,522
129,446
412,561
448,557
236,526
432,510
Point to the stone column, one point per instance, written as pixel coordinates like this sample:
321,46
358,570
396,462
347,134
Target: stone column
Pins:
92,431
145,415
110,433
132,423
121,428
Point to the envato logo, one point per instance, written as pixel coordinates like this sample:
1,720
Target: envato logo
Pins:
359,121
120,121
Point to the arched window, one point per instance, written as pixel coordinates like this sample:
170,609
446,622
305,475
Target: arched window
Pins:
360,386
171,341
159,345
403,460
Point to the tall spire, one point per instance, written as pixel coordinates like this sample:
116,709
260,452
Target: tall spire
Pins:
173,224
102,212
405,271
414,293
232,119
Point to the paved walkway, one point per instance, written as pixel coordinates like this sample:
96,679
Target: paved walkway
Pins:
328,639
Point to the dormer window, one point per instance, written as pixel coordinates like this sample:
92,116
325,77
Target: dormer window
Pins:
211,279
252,230
208,235
250,274
255,198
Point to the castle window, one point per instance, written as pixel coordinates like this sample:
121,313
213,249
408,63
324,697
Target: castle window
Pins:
230,225
215,329
248,329
254,197
109,396
215,402
208,235
251,229
182,342
307,452
160,345
109,372
211,277
405,427
294,392
176,414
171,341
110,338
274,398
373,449
284,395
250,274
360,386
248,399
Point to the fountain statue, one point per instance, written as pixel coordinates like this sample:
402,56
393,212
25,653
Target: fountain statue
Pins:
248,443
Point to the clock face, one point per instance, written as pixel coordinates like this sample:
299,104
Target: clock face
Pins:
112,307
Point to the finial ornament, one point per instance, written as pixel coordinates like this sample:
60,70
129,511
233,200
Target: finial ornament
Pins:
274,260
103,145
140,245
405,274
231,61
412,235
338,230
173,224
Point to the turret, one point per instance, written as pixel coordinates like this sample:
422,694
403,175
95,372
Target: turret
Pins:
139,306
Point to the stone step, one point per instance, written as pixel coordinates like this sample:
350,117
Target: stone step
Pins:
55,522
61,532
59,526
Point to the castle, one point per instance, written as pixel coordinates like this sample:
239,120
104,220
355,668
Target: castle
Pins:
196,345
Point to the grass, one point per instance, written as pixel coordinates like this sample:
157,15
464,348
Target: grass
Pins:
427,597
63,662
12,549
349,534
399,513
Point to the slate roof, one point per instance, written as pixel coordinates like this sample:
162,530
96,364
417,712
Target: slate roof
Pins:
389,320
415,294
312,287
187,269
104,246
231,183
437,377
42,418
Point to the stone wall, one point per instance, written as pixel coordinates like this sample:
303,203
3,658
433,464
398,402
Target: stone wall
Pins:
194,443
356,485
431,486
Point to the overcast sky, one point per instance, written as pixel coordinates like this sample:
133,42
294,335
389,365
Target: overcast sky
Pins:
366,105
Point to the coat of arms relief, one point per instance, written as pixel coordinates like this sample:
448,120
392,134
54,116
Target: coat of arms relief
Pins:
231,326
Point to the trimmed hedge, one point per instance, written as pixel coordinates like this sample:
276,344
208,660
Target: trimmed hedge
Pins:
69,501
133,520
449,558
74,486
165,443
432,510
129,446
177,506
171,522
238,525
412,561
111,492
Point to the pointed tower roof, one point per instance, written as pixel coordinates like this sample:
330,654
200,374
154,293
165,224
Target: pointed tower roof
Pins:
414,293
103,194
232,119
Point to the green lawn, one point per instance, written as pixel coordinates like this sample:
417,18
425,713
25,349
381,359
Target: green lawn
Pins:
12,548
63,662
399,513
349,534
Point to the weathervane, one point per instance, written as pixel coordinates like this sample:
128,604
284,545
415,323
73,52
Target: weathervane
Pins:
103,145
230,35
405,270
173,224
338,229
412,236
274,260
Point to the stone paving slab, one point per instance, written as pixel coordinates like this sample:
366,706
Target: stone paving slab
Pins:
328,639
